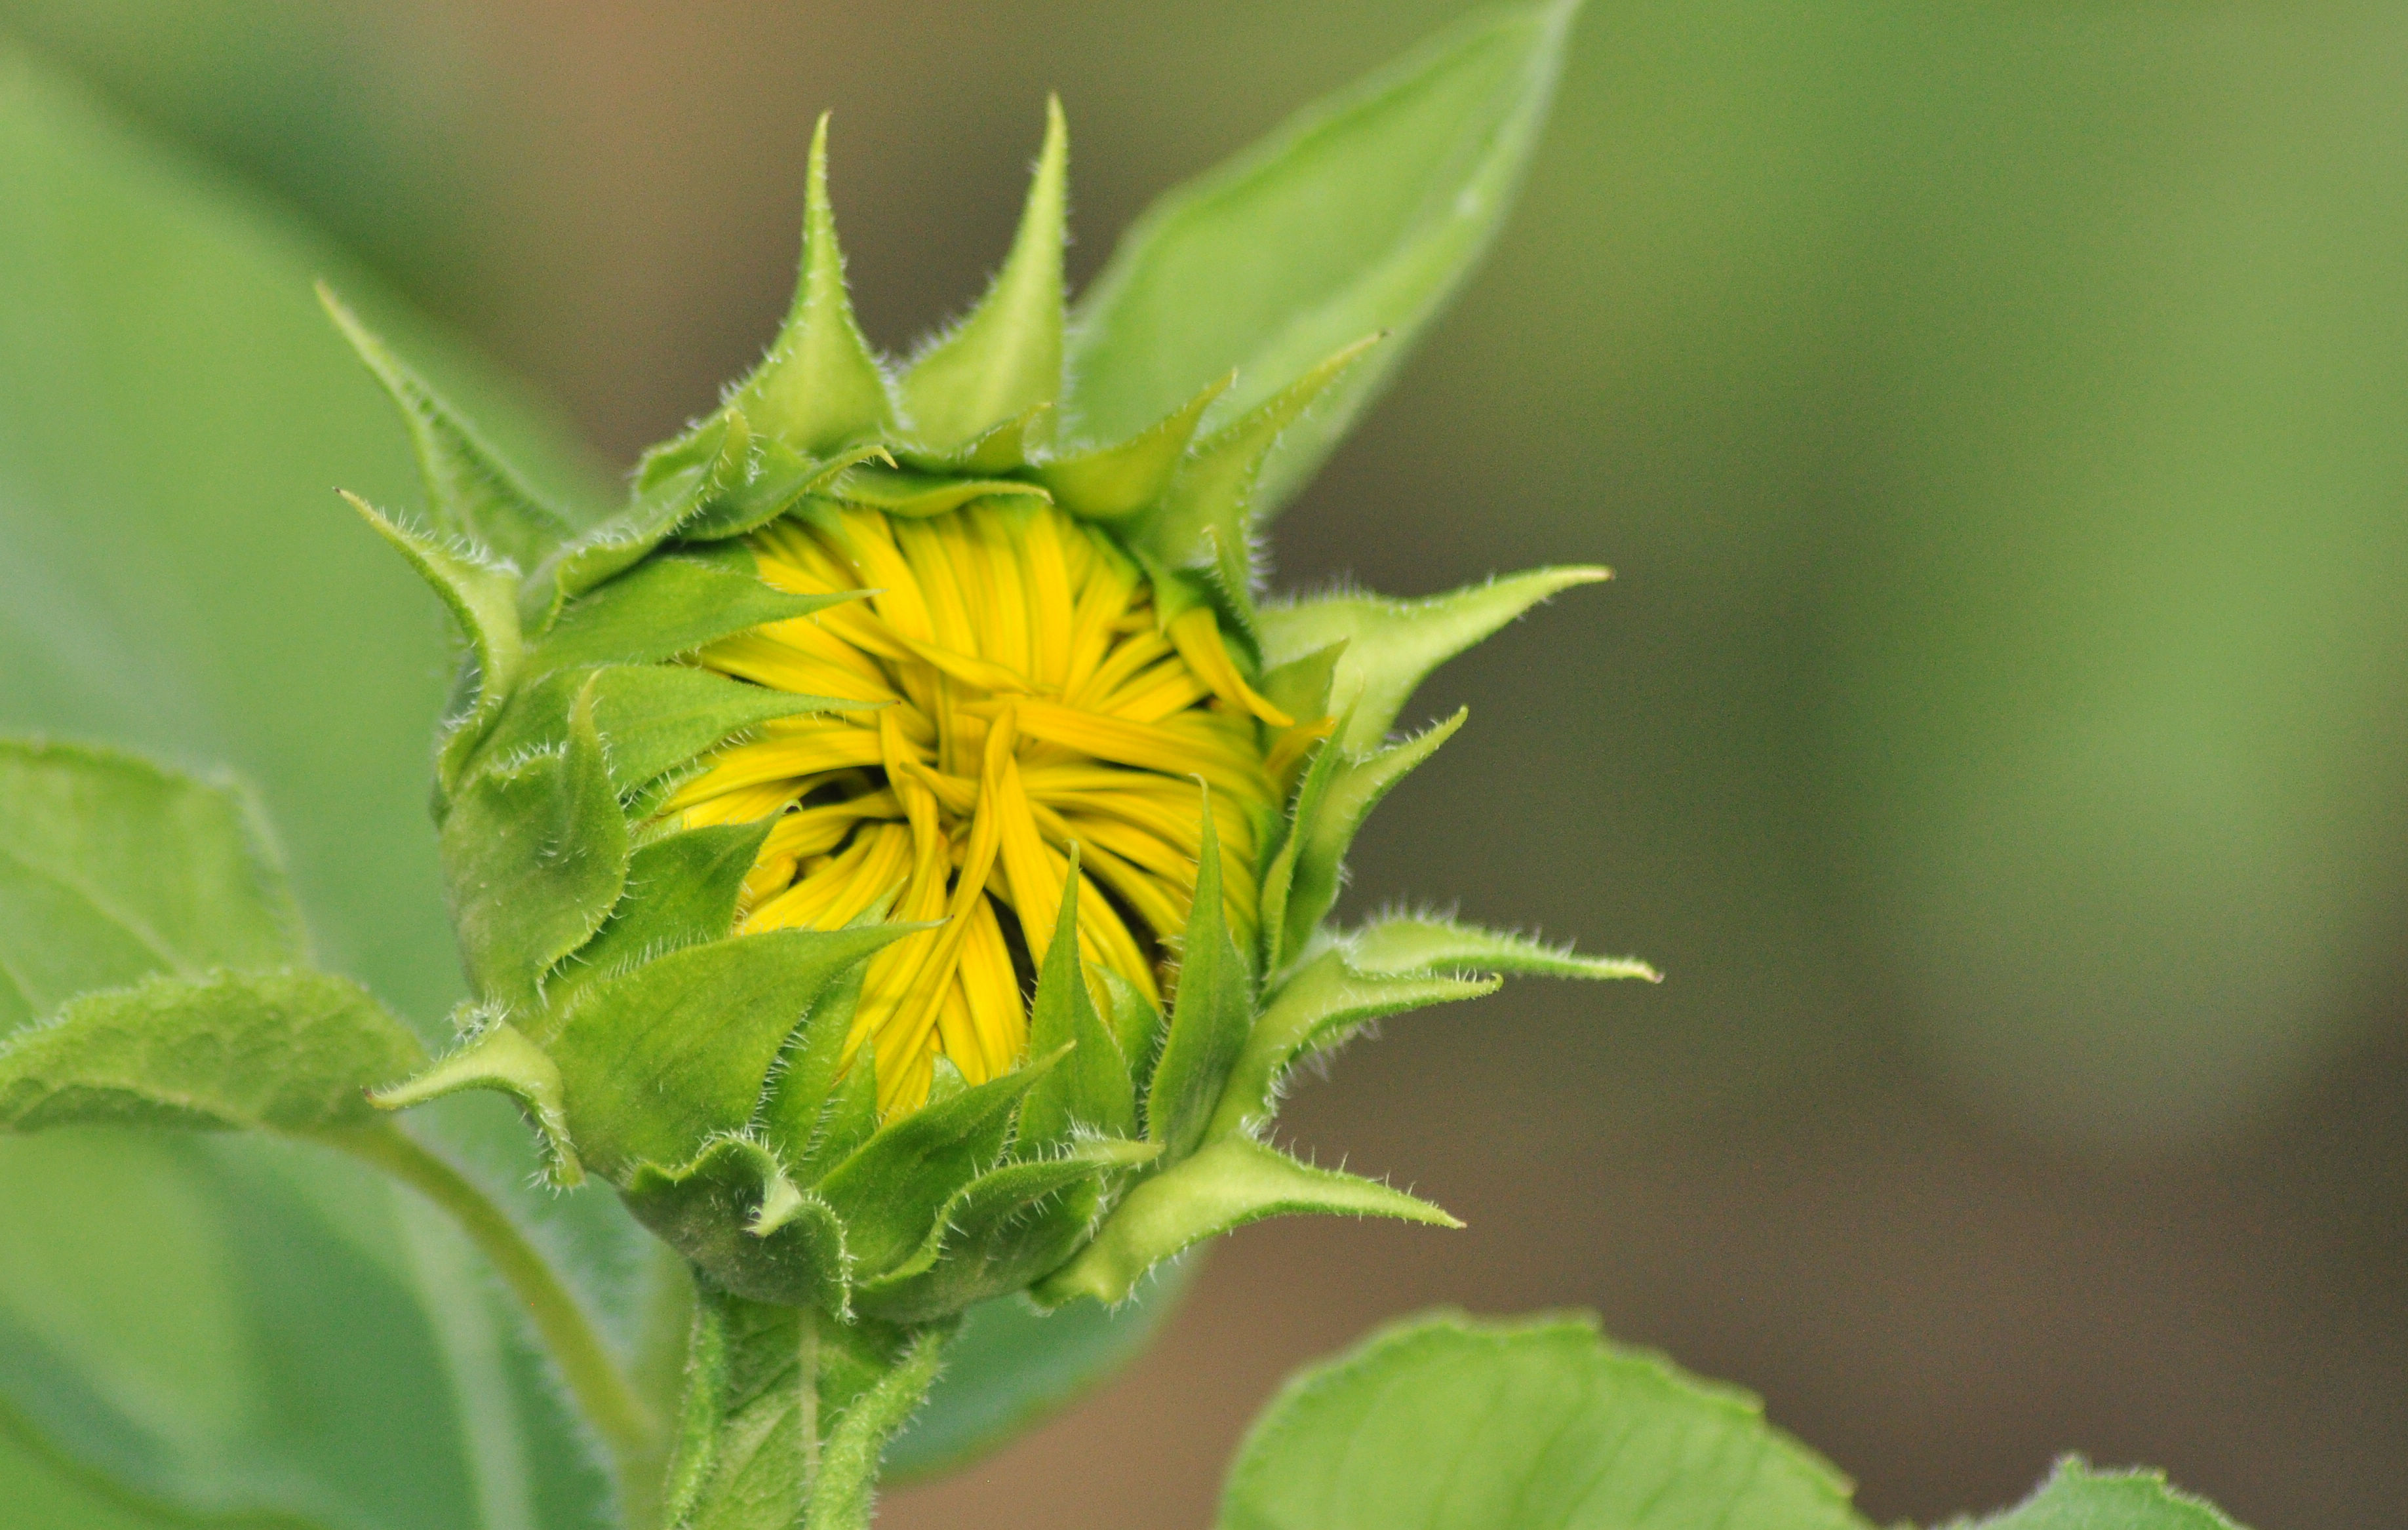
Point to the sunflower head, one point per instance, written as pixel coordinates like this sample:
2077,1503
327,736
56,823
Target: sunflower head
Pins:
895,848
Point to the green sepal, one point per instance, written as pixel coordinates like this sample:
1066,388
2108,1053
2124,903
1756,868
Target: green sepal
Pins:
1206,512
653,718
821,386
1326,1000
1393,645
733,1212
1090,1086
481,596
471,493
1005,448
806,1085
777,479
661,1061
1418,943
1006,357
672,484
1115,482
288,1051
1300,686
535,853
1002,1230
851,1117
1338,794
496,1055
682,891
1224,1186
900,492
666,607
1137,1025
1209,1019
892,1188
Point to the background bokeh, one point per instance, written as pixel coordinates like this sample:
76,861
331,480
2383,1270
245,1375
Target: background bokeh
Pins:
1998,417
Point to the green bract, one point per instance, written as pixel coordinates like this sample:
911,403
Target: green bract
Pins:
705,1072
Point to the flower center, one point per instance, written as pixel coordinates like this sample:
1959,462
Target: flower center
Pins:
1031,700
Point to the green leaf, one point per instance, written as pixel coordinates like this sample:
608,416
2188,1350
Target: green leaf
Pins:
1114,482
821,387
737,1216
153,305
1363,213
498,1057
1419,943
1091,1086
1006,358
665,609
1012,1364
892,1189
1325,1002
471,493
1225,1185
1393,645
1208,1017
112,868
2078,1498
658,1061
1338,792
653,718
1446,1421
537,852
291,1051
1003,1230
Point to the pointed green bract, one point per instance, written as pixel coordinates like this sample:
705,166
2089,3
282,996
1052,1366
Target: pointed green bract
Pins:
670,488
1209,1019
1091,1086
1224,1186
821,387
535,854
1003,1230
1393,645
1413,943
682,891
1006,357
1116,482
676,1052
470,490
842,1494
663,609
734,1212
891,1190
1446,1420
900,492
289,1052
1338,794
1207,512
498,1057
1318,1008
481,596
1364,213
803,1093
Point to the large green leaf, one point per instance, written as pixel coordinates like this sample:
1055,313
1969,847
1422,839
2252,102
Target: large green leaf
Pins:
175,412
1362,214
2078,1498
1444,1421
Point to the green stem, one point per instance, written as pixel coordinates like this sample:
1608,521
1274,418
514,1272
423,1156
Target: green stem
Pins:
602,1391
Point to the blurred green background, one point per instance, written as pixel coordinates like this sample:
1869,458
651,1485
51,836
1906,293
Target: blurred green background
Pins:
1998,417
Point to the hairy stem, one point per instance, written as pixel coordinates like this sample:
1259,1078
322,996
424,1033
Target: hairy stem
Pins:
603,1393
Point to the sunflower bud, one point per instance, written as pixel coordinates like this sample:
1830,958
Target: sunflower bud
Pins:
894,850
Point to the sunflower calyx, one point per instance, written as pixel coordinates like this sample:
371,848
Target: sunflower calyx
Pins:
894,850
